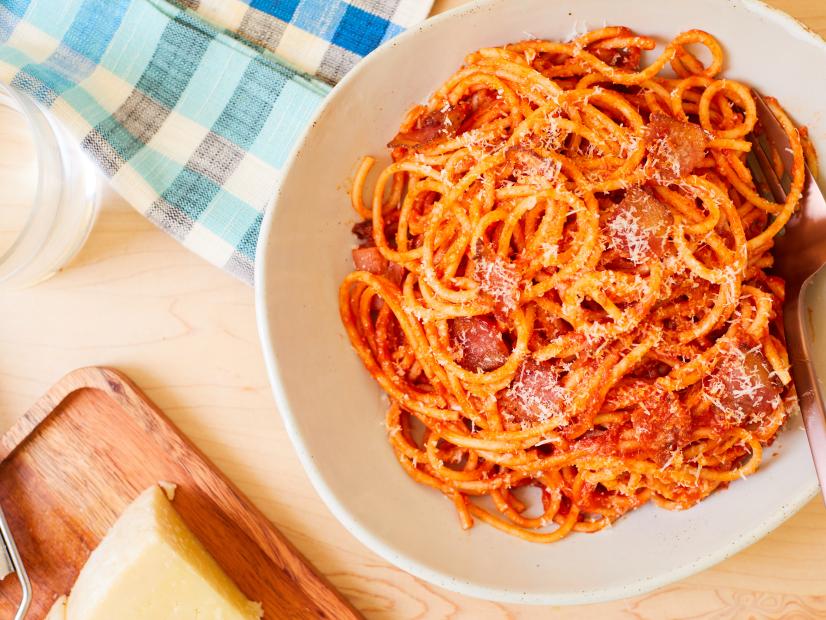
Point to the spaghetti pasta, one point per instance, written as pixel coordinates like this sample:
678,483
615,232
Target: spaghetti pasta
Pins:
562,283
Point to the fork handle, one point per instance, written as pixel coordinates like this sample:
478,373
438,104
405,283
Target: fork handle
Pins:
809,390
7,539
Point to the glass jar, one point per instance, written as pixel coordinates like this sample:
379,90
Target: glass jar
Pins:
49,192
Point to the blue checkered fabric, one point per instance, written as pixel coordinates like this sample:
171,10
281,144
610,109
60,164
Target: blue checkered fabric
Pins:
191,108
323,39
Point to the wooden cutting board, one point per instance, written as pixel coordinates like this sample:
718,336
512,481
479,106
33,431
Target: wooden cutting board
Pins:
71,465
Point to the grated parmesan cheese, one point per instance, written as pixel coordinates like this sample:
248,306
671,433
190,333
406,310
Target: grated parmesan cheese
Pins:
498,278
627,232
540,395
740,388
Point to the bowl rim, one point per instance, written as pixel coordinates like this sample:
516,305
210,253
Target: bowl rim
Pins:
363,534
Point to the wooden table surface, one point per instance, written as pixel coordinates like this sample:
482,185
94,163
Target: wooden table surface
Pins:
185,332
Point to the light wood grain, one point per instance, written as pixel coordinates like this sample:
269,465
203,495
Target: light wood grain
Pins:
185,332
86,449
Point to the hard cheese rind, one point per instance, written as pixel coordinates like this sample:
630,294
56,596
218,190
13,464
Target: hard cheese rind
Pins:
150,565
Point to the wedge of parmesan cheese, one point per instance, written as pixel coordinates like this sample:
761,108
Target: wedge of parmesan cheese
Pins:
150,565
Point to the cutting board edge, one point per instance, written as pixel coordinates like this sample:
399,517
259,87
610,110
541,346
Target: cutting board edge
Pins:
118,386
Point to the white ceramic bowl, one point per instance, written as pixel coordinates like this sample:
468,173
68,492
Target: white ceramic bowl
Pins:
332,408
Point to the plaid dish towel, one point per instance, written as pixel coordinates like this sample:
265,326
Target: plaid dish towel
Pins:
191,108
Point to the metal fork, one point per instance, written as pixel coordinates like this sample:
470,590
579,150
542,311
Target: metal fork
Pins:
11,562
800,253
